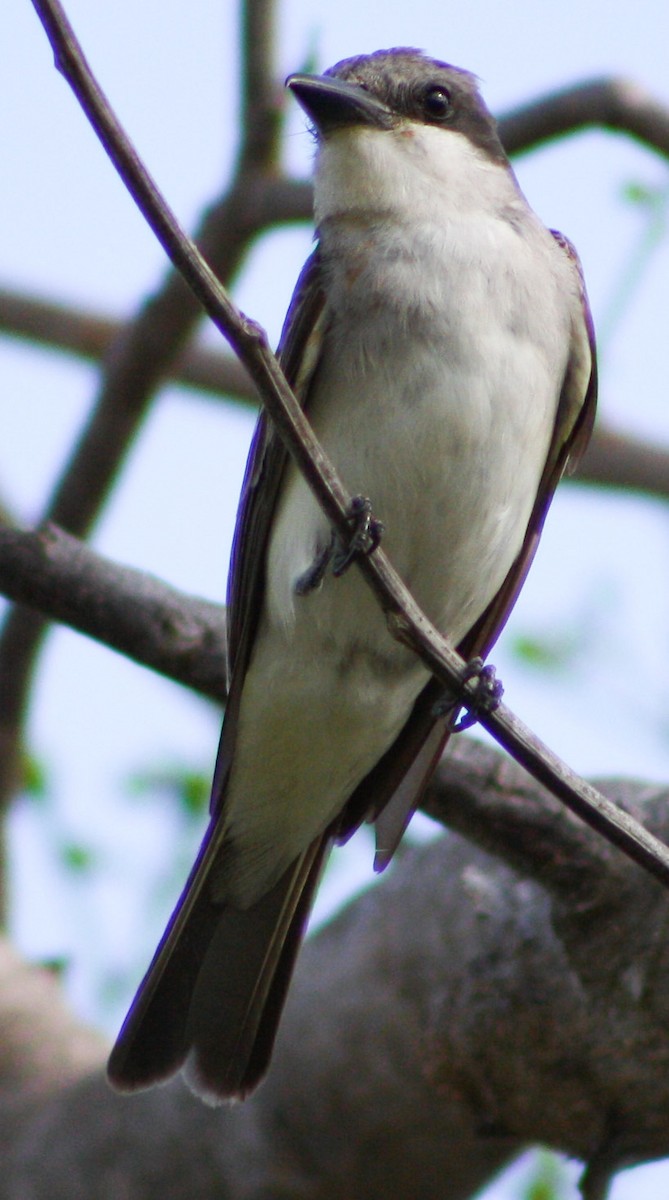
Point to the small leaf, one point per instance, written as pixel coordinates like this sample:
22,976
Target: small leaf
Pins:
76,857
635,192
548,653
34,776
548,1181
190,788
56,966
194,788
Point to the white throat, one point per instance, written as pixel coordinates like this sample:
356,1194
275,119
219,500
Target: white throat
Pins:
415,170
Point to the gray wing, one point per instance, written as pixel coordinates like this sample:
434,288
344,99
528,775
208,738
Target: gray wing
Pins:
298,353
213,994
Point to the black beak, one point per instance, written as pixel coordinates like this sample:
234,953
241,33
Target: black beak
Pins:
332,104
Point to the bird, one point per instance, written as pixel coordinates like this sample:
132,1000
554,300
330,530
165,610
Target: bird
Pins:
440,341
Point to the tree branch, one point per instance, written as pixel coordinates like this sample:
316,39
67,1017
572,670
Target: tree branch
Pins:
262,100
31,1067
609,103
405,620
613,458
445,1058
137,363
521,1014
92,335
620,460
180,636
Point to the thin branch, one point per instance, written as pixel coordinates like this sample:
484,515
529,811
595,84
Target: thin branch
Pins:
405,620
135,367
610,103
619,460
613,459
261,99
132,612
91,336
494,803
488,799
614,103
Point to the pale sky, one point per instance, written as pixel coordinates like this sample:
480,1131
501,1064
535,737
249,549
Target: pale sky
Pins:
600,584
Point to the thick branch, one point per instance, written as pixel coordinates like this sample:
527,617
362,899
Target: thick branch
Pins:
32,1067
519,1014
491,801
182,637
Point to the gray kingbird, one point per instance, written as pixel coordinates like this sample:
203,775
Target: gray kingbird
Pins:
440,340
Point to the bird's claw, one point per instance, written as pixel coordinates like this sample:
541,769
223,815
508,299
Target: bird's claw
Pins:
312,578
478,701
365,536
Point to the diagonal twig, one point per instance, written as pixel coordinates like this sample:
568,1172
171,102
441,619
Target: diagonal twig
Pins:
405,619
135,366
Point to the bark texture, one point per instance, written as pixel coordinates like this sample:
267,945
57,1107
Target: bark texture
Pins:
494,990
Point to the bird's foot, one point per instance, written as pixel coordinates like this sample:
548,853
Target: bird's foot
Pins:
311,579
365,536
478,700
366,533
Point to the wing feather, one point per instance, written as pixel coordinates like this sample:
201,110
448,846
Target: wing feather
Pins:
298,353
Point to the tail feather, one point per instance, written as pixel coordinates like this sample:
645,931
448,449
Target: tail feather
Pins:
213,995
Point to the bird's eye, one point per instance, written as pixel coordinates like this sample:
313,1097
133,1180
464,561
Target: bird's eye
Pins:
437,102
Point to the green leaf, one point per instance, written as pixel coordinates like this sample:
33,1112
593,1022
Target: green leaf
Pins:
34,774
549,1181
77,858
644,195
194,788
190,788
547,653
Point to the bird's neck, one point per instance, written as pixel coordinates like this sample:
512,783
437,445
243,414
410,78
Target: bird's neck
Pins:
415,173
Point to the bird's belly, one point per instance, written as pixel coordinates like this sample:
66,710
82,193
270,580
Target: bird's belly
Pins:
451,460
452,467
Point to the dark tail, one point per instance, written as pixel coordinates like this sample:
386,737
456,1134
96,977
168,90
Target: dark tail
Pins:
213,996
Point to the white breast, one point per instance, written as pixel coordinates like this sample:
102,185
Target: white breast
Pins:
440,375
436,396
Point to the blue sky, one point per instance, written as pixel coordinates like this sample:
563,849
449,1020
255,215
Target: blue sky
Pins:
600,586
